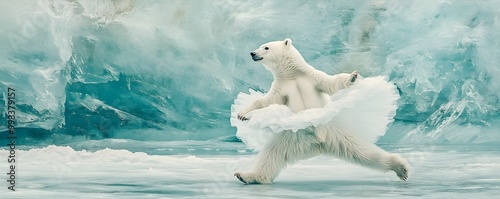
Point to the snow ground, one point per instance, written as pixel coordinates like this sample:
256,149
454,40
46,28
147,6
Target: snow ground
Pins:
63,172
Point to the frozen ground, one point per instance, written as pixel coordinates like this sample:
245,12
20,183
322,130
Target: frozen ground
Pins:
205,170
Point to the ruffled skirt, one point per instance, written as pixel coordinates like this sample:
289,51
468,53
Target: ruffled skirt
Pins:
366,107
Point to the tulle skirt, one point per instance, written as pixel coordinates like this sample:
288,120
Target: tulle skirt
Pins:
366,107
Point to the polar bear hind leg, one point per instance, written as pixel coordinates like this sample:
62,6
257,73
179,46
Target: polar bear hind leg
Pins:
285,149
342,143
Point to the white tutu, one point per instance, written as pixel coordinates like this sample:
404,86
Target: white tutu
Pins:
367,107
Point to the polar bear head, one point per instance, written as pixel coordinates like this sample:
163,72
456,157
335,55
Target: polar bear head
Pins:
278,55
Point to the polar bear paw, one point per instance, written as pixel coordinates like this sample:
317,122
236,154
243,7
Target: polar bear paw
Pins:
354,76
246,178
241,117
402,172
400,166
251,178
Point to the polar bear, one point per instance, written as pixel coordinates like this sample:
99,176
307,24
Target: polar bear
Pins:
300,86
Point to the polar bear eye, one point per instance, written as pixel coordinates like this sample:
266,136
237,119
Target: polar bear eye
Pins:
266,48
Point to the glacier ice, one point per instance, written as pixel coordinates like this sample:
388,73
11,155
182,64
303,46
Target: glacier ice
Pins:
169,70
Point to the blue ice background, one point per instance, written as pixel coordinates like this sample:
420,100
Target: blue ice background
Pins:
169,70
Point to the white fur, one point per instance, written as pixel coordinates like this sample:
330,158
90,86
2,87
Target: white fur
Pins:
300,86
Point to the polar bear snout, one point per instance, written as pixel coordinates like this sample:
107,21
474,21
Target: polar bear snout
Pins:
255,57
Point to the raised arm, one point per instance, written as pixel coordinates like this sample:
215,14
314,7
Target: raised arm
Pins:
272,97
330,84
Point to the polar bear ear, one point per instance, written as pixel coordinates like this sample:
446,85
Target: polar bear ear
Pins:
288,42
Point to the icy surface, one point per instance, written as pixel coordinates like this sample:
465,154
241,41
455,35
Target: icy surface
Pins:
104,68
62,172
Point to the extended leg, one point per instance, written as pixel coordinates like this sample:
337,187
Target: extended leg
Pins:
286,148
344,144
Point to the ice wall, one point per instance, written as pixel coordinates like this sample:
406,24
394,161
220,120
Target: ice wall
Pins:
169,70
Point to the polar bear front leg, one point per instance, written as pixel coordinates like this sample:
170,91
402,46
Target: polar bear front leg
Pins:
257,104
332,84
268,99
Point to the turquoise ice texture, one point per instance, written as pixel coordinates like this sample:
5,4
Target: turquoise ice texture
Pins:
146,87
169,70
